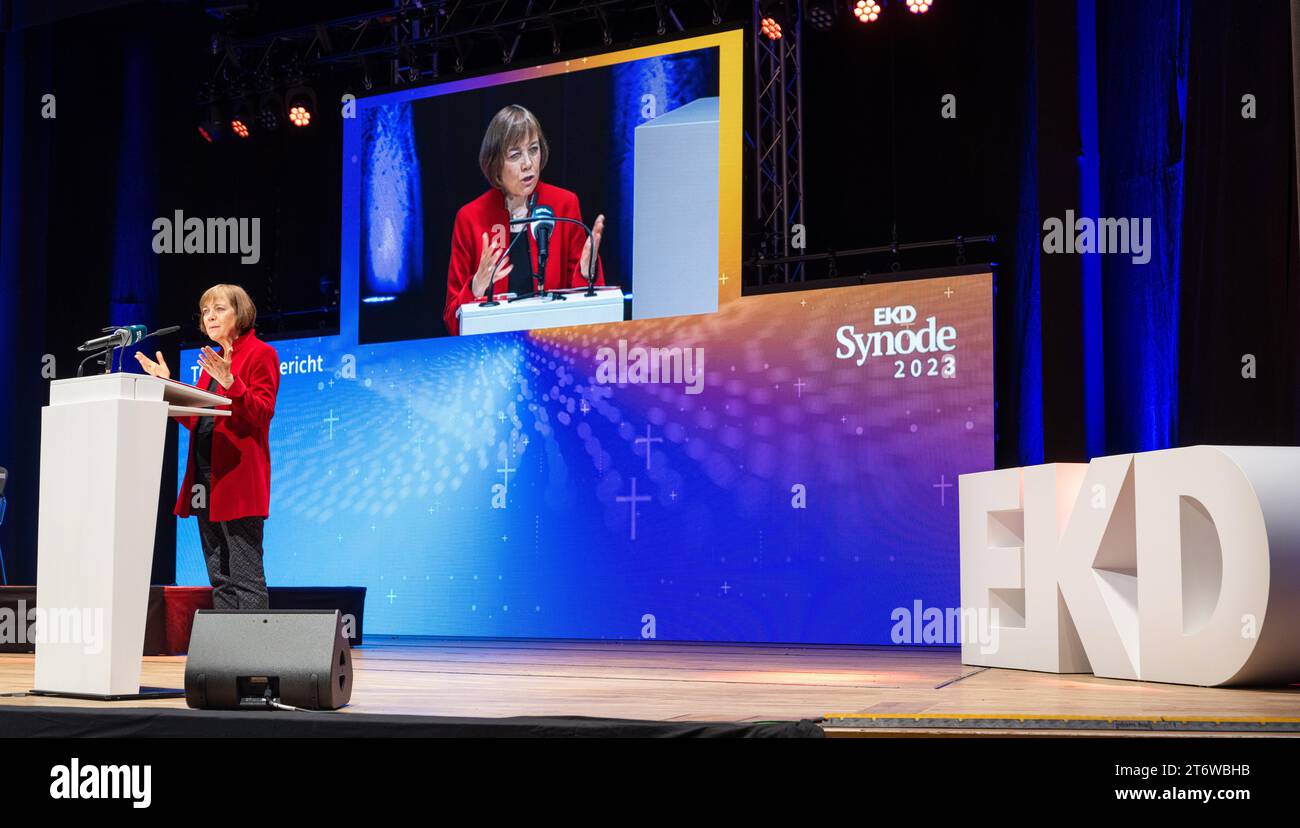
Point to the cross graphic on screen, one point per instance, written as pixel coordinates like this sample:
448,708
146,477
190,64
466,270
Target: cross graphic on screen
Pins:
633,500
647,439
943,485
506,471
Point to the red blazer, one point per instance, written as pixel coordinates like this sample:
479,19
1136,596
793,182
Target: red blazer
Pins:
241,448
488,210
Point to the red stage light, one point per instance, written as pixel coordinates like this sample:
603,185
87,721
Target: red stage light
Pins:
212,124
239,128
770,28
866,11
301,103
919,6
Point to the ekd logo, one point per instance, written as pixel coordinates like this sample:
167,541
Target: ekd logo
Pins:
924,340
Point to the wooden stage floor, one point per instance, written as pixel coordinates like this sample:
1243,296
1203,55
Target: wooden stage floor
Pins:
855,690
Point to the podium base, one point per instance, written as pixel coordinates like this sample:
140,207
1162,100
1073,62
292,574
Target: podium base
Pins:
145,693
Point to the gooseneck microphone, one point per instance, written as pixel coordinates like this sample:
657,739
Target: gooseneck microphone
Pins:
543,225
163,331
550,220
117,338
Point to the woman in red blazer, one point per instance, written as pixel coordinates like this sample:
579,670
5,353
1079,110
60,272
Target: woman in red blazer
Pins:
228,473
512,156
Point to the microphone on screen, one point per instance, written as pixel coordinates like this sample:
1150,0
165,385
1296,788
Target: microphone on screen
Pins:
543,224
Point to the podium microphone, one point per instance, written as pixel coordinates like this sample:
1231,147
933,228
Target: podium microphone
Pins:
119,338
161,332
547,222
543,225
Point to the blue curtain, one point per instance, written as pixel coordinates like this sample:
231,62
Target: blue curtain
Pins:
1142,51
24,235
392,219
133,297
1021,281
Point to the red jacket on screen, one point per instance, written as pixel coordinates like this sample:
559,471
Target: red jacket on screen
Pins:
241,447
488,211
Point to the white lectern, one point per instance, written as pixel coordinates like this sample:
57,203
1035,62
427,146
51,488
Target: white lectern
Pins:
533,312
101,462
675,212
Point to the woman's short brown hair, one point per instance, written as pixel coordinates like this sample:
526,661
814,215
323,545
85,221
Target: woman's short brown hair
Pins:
240,301
507,128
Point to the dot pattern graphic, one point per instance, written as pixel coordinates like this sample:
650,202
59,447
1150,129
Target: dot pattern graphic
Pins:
521,485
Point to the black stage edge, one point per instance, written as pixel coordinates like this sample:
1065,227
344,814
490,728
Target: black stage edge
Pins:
145,722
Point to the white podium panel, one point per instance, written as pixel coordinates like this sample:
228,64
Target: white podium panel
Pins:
102,441
675,213
535,312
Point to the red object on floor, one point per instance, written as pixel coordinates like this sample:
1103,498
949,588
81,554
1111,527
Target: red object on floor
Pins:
172,608
180,604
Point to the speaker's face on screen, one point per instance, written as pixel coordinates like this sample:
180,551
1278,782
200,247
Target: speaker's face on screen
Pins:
523,164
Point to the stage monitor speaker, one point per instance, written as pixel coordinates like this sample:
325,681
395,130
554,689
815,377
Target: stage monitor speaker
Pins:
251,659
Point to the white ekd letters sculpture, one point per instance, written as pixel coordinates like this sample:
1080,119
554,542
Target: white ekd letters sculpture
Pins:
1178,566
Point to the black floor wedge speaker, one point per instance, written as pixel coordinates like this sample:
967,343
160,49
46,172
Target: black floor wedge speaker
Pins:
249,659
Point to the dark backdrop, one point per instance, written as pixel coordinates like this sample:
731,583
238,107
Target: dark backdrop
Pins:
1239,293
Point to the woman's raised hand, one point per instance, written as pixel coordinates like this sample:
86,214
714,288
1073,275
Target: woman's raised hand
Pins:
157,369
591,246
491,252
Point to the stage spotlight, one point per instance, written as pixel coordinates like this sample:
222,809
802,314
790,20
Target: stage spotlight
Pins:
210,125
866,11
269,111
770,28
301,106
821,15
919,6
241,121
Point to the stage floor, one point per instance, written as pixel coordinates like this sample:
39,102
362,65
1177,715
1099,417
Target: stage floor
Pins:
865,691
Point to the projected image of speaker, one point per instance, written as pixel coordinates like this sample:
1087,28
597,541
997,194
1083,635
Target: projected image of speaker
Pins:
241,660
